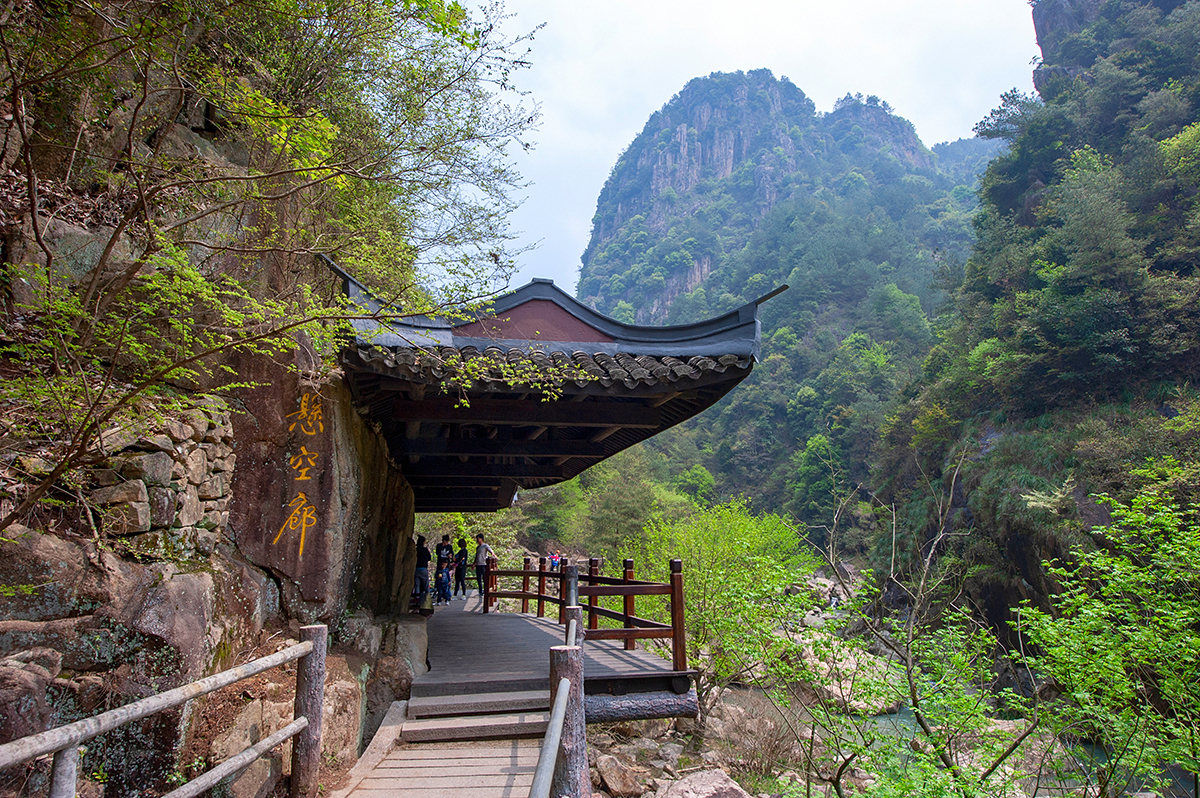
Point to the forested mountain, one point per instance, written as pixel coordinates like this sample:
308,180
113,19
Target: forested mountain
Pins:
737,185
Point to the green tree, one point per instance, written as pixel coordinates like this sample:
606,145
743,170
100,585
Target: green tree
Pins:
1122,641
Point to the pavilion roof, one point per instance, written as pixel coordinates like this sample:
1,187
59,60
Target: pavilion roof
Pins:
474,455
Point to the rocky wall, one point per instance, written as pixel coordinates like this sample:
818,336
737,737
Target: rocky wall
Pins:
316,498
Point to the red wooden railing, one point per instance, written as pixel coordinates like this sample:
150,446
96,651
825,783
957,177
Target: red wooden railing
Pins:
552,589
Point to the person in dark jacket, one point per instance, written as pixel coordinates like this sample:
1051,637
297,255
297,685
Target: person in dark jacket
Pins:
422,572
460,569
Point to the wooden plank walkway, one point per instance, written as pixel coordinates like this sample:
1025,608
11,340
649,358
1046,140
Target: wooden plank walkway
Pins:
496,662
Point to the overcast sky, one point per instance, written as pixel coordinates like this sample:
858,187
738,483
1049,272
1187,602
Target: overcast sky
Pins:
601,67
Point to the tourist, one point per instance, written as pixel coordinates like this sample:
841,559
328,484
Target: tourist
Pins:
482,552
421,576
460,569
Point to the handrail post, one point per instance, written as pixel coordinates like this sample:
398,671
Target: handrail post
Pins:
562,589
630,643
310,697
64,773
571,776
575,613
593,571
484,589
541,587
526,565
678,632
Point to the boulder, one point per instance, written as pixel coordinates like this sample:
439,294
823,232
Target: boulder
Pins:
619,778
24,680
705,784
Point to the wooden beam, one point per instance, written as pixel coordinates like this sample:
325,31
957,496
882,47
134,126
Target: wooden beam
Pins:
486,447
435,468
514,412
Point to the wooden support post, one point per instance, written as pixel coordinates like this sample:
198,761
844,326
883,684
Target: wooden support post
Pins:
562,589
525,566
493,581
593,571
64,772
485,599
571,776
541,587
575,613
630,608
310,698
679,634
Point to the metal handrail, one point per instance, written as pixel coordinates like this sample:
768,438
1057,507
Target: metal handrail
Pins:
548,756
63,740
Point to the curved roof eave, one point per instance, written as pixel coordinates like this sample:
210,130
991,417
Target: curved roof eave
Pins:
736,332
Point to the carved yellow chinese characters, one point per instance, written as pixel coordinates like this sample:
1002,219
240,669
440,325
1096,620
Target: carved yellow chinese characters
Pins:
303,517
303,462
311,415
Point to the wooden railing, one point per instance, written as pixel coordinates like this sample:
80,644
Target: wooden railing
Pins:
542,586
64,741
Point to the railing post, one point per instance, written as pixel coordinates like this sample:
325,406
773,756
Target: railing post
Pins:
678,632
493,580
64,772
310,697
575,613
630,608
593,571
571,777
541,587
525,566
562,589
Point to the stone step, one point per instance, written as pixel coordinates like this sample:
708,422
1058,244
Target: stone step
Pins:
479,704
476,727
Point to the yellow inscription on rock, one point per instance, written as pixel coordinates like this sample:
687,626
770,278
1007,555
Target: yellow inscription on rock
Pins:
310,418
303,462
303,517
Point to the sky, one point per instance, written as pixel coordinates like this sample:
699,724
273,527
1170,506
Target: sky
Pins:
601,67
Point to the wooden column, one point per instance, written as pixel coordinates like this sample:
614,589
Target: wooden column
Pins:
493,581
541,587
562,589
575,613
526,566
679,634
630,605
484,598
593,571
310,697
571,777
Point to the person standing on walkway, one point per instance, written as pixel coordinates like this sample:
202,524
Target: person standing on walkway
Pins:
482,552
460,568
422,573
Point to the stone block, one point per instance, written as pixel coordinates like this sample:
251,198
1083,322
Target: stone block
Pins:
106,477
178,431
178,469
38,466
153,469
190,510
156,443
162,543
212,488
162,506
133,490
197,419
206,541
197,467
128,518
210,520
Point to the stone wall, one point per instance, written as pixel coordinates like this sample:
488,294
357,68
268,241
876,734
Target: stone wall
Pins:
165,494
